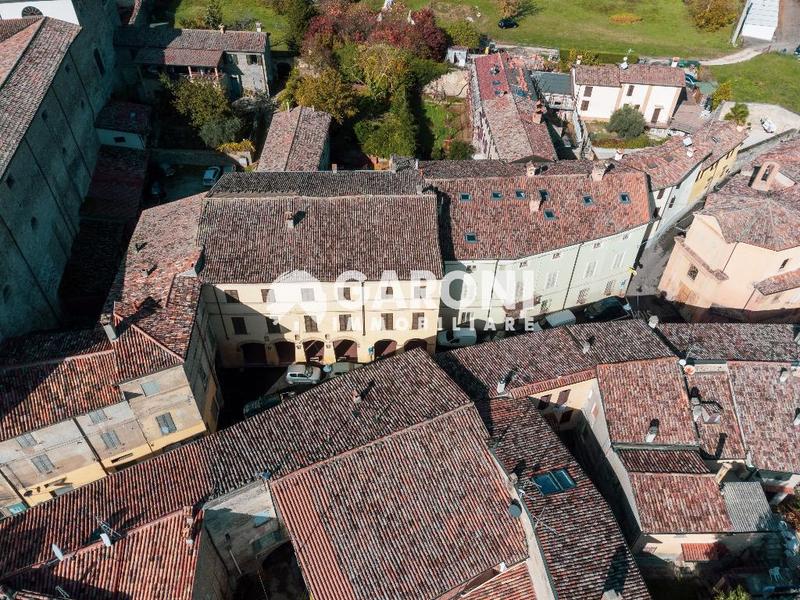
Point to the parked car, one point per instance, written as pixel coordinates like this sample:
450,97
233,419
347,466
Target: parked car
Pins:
689,64
507,23
768,125
797,51
691,81
608,309
556,319
303,374
457,338
211,176
267,401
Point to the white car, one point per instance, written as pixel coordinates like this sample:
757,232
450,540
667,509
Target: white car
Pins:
457,338
303,374
211,175
768,125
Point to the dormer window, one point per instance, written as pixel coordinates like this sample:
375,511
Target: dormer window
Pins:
471,237
544,195
519,194
497,195
554,482
625,198
549,215
465,197
587,200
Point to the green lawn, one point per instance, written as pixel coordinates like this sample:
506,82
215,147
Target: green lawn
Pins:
771,78
665,28
241,12
442,122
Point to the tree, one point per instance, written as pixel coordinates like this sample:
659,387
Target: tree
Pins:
393,133
329,92
460,150
627,122
198,99
218,131
384,70
712,15
463,33
722,94
737,593
509,8
738,114
298,15
213,16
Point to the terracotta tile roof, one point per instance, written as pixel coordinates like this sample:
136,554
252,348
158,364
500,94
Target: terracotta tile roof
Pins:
397,393
513,584
152,561
296,140
449,524
549,355
733,341
191,39
461,169
318,183
180,57
662,461
613,76
153,291
767,408
787,154
637,393
125,116
679,503
328,239
507,228
718,138
776,284
508,97
703,552
32,51
118,182
63,375
722,439
765,219
585,552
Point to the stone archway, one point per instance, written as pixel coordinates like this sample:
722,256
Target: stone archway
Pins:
345,350
286,352
385,348
415,343
314,350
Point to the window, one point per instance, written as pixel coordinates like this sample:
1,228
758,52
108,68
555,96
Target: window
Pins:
253,59
660,194
98,416
617,260
345,293
232,59
43,464
231,296
587,201
692,273
387,319
597,245
26,440
591,267
519,194
550,215
554,482
783,264
630,90
10,181
99,61
497,195
387,292
626,236
17,509
119,139
552,279
166,424
265,296
609,287
307,294
239,328
625,198
273,326
472,238
587,91
544,195
465,197
466,318
585,105
417,320
110,439
556,255
420,292
583,296
310,324
150,388
345,323
545,306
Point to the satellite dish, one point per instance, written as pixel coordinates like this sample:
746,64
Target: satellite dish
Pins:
515,510
106,539
57,551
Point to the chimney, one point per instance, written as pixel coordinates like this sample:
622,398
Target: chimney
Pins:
624,64
765,176
355,396
688,141
289,216
674,63
222,28
690,152
530,169
578,59
796,421
619,154
536,117
419,189
784,375
598,170
110,331
652,322
652,432
334,168
534,205
258,26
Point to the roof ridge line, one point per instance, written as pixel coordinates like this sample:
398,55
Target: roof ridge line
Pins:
63,359
38,24
151,338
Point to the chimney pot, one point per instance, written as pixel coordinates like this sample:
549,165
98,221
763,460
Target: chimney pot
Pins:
530,169
222,28
598,170
578,59
334,167
258,26
289,216
675,60
110,331
796,421
619,154
533,205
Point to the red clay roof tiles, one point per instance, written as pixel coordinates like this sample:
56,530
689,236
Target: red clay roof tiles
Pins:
723,439
641,460
512,584
733,341
296,140
614,76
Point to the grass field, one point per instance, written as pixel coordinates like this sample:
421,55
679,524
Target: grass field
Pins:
664,30
233,11
771,78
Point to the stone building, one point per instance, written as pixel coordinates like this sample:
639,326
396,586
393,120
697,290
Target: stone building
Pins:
57,80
